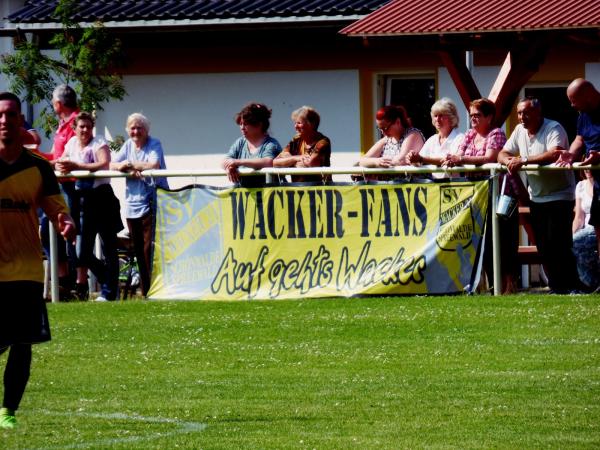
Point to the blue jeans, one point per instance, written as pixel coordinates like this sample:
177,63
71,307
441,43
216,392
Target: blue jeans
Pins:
585,249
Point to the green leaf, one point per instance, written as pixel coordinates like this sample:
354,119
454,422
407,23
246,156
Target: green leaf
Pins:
90,59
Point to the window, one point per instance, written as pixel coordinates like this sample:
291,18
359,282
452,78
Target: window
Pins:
555,106
416,93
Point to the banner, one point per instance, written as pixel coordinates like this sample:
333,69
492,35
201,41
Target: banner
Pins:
318,241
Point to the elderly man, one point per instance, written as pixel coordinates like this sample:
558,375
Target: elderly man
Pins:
64,102
537,140
26,183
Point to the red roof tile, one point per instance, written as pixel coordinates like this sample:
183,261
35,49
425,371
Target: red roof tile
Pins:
404,17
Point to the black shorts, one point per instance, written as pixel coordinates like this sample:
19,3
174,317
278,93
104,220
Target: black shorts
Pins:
23,314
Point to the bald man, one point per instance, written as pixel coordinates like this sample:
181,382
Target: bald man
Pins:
585,98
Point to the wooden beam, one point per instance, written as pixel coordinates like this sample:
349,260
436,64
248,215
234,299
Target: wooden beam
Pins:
519,66
463,80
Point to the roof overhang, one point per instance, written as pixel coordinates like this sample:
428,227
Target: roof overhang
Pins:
430,17
474,31
188,23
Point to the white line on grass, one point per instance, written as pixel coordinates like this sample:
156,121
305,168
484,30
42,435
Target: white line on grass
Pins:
183,427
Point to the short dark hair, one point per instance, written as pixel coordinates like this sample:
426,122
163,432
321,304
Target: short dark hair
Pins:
12,97
83,115
255,114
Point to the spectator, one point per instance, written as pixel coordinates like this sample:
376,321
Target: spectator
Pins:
64,102
308,148
255,149
99,208
584,235
586,99
399,139
31,138
481,145
444,117
27,180
540,141
140,152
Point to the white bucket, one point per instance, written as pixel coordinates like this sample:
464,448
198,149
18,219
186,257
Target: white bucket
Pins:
506,203
506,206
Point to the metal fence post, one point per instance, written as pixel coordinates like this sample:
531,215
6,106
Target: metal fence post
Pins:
53,260
497,265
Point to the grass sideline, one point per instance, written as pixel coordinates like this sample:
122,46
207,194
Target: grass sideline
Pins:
412,372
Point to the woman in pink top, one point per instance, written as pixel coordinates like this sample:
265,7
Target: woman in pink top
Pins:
482,143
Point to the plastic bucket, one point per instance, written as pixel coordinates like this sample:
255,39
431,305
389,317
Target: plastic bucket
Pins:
506,206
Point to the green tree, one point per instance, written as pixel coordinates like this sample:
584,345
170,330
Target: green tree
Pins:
89,61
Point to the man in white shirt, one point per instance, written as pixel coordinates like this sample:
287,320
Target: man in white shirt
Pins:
537,140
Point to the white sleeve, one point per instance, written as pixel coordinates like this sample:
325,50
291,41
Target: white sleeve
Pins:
512,144
557,137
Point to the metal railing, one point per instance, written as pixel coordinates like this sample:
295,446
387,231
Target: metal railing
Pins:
493,168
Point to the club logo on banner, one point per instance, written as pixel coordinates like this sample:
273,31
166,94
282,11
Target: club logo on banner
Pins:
318,241
456,217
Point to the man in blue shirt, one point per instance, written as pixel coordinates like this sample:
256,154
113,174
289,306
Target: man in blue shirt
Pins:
586,99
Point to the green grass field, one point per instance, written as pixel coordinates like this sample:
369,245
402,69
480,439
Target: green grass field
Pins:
435,372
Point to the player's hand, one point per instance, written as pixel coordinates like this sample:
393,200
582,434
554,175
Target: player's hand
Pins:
66,227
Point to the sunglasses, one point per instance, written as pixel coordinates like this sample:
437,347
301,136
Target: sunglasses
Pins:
384,129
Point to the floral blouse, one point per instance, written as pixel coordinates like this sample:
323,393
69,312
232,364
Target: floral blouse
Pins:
494,140
392,147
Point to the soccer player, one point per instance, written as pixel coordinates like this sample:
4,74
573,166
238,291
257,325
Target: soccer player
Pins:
27,182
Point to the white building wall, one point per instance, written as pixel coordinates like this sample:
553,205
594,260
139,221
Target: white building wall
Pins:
193,114
592,73
5,47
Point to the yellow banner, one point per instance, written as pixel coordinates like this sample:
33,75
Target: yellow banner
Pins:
318,241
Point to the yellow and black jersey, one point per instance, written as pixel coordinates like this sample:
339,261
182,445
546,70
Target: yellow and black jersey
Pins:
27,184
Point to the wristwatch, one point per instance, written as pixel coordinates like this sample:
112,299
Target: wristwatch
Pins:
524,160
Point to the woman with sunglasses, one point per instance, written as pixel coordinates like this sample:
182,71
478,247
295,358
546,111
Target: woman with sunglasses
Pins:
399,138
481,145
482,142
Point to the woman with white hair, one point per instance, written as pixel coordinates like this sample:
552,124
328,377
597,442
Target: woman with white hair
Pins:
444,117
140,152
308,148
